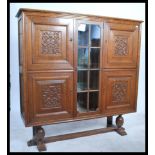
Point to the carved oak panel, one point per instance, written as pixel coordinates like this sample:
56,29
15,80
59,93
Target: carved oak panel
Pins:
50,95
119,91
51,42
121,46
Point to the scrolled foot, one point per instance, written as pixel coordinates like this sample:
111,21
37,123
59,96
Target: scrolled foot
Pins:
41,146
121,131
38,138
31,143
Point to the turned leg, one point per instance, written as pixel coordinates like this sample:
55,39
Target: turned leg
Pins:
109,121
40,134
119,122
38,138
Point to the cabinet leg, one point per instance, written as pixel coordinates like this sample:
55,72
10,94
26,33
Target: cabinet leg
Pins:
109,121
119,122
38,138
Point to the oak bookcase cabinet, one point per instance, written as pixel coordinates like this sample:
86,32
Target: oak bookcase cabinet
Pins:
76,67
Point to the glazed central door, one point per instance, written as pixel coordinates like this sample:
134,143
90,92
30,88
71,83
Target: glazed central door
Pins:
88,67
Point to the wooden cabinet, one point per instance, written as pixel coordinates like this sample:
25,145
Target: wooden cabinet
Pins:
75,67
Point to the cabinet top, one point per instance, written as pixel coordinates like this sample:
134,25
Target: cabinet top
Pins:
72,15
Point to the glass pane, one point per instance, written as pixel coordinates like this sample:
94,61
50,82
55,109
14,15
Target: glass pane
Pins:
94,57
95,35
83,34
82,80
93,101
82,102
94,79
82,58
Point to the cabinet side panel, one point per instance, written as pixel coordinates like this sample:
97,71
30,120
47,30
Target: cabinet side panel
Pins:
22,65
20,43
138,63
21,95
20,40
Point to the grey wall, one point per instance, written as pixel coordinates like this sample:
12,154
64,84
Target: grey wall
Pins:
122,10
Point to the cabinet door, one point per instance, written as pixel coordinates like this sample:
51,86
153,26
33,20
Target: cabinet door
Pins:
49,43
50,97
119,91
121,45
88,64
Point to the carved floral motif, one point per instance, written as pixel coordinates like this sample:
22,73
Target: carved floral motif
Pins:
51,42
120,46
51,95
119,91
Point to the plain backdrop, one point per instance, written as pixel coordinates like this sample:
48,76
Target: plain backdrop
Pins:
121,10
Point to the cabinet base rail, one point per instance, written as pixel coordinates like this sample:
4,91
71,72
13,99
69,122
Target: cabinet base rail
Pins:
39,138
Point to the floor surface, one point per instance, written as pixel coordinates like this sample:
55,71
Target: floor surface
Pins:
134,141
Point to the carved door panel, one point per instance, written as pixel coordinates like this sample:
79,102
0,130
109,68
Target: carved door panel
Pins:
50,97
50,43
121,45
119,91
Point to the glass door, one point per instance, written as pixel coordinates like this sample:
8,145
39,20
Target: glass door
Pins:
88,67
